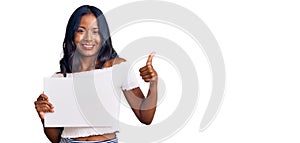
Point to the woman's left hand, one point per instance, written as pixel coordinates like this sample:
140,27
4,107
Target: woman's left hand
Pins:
147,72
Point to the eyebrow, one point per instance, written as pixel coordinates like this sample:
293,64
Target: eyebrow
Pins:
81,27
85,28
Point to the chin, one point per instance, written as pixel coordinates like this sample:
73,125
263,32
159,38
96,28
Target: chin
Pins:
87,53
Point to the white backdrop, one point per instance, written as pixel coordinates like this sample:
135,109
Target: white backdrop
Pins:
259,40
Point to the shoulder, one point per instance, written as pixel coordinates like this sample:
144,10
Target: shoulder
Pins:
112,62
57,75
118,60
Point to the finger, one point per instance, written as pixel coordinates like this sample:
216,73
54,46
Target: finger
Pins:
43,102
150,77
147,80
40,106
145,68
44,108
147,76
142,69
42,97
150,57
145,73
42,114
148,72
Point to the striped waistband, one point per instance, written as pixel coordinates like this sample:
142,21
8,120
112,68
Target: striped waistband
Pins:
115,140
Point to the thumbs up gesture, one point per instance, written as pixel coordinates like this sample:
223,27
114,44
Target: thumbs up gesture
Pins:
147,72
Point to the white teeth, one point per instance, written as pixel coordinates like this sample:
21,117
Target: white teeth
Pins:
88,46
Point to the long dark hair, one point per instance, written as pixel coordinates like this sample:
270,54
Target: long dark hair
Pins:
106,51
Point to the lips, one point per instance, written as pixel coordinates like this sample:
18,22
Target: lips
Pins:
87,46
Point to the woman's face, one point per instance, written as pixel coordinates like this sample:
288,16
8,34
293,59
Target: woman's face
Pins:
87,37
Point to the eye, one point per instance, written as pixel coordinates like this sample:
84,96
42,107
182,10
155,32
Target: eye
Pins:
95,31
80,31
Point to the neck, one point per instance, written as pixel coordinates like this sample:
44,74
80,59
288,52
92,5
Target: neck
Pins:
86,63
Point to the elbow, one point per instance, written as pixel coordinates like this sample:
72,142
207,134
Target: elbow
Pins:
147,122
146,117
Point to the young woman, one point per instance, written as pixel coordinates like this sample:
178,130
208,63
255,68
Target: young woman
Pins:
87,46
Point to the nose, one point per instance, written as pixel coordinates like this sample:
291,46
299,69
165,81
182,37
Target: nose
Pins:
88,35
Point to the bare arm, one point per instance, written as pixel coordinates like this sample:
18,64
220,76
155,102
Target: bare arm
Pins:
53,134
144,107
43,105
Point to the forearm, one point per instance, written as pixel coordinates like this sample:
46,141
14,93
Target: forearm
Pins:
52,133
148,106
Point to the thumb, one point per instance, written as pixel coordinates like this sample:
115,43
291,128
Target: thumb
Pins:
150,57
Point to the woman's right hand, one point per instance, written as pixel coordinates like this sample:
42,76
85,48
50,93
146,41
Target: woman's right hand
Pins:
43,105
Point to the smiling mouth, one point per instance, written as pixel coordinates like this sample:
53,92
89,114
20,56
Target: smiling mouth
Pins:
87,46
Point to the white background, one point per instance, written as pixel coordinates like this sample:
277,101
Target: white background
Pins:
259,40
